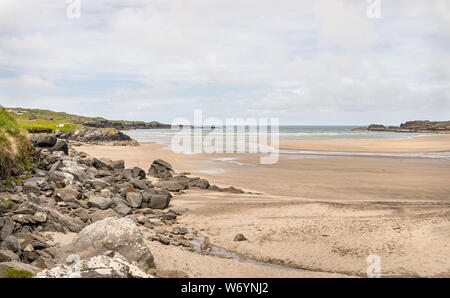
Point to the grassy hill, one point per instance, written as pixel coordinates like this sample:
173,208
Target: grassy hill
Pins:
15,146
35,120
38,121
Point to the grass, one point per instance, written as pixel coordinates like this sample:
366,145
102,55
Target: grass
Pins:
14,273
39,125
36,120
14,143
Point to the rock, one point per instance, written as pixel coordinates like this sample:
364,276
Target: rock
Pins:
164,240
116,165
55,218
160,169
179,211
232,189
44,140
102,214
101,266
31,187
122,209
67,194
140,184
75,169
138,173
158,201
36,241
134,199
171,185
29,253
110,234
44,263
7,256
168,273
17,266
106,193
39,217
98,136
99,202
240,237
11,243
8,228
200,183
61,145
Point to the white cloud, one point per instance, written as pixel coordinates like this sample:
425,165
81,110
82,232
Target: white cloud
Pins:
160,59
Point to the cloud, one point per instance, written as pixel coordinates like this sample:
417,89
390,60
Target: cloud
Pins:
323,60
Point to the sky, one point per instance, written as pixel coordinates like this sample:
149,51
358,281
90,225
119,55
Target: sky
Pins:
306,62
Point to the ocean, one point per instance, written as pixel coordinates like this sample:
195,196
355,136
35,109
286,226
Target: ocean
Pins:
164,136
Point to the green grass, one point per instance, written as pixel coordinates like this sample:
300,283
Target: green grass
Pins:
14,273
40,125
46,114
42,122
14,143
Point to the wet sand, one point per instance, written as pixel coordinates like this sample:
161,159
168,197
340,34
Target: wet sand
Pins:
322,213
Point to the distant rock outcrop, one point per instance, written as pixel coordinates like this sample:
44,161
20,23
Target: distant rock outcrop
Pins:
125,125
411,127
97,135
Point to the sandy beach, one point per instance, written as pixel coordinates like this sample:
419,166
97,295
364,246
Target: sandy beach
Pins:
322,213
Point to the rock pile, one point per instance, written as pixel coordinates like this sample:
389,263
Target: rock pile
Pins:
98,136
101,200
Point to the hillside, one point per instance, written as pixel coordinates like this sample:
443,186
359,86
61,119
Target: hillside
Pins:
37,121
14,144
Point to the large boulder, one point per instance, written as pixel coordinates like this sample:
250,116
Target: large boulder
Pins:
60,145
157,200
160,169
44,141
110,234
75,169
18,266
102,266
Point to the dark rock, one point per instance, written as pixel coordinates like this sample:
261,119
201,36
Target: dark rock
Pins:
61,145
11,243
138,173
200,183
164,240
44,140
160,169
240,237
159,201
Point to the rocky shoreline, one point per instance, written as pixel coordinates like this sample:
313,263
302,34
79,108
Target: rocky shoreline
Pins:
108,206
126,125
412,127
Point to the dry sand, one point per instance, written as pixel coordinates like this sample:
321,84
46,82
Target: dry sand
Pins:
322,213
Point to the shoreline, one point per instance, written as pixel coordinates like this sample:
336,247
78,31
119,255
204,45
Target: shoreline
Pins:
393,207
